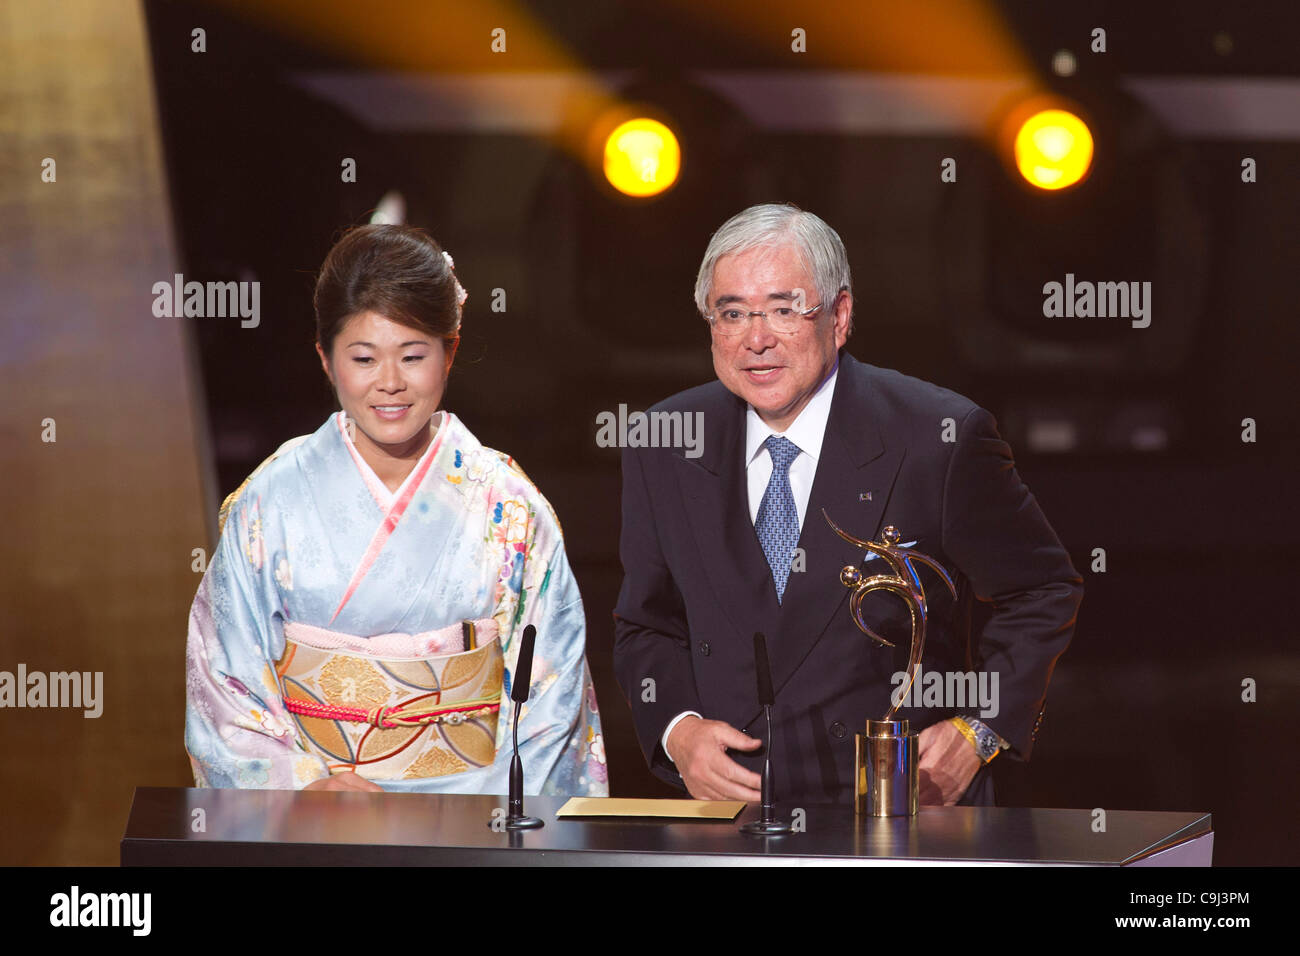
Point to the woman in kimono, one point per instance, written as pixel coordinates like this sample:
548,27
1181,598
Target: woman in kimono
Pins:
359,624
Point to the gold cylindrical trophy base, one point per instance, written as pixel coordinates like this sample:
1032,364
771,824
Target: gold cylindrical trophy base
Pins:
885,770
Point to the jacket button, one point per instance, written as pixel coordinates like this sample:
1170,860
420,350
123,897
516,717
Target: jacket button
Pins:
704,648
838,730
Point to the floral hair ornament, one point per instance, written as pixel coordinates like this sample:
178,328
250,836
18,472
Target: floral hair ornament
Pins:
461,294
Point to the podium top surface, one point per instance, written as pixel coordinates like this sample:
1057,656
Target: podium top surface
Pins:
178,826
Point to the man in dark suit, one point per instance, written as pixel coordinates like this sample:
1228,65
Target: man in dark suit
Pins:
795,425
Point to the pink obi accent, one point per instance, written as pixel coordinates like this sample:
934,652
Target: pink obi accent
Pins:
446,640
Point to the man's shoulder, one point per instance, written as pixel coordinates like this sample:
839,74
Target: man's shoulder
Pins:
897,397
695,425
709,397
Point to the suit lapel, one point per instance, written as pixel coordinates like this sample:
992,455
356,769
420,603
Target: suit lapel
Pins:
854,479
715,495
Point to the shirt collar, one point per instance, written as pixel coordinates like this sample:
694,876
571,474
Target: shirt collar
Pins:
806,431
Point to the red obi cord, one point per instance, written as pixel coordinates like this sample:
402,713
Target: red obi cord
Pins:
390,718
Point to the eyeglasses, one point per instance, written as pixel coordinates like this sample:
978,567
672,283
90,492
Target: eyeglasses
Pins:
785,320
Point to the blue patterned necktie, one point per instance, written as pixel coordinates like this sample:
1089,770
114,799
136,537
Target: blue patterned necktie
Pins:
778,521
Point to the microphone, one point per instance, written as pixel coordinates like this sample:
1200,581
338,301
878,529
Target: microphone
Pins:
766,698
767,824
523,677
524,668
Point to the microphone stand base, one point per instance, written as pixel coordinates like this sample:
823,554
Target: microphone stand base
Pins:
523,823
764,828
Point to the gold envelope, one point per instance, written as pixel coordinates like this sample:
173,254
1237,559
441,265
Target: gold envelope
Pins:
627,807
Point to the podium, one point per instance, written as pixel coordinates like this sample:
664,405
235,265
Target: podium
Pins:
190,827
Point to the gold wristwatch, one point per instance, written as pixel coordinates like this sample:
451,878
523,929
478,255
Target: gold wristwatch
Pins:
987,744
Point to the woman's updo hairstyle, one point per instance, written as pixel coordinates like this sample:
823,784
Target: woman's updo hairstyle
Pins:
399,272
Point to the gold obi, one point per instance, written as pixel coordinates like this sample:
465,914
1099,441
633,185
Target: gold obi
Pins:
395,706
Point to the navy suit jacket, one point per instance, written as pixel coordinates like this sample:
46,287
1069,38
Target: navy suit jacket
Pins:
696,585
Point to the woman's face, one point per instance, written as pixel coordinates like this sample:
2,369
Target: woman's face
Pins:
390,379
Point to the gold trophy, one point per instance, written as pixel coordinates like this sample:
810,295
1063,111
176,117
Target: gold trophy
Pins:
885,757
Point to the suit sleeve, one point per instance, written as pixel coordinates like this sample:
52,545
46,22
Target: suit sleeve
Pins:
652,653
999,538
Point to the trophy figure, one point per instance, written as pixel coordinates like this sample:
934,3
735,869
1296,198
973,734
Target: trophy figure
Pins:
885,757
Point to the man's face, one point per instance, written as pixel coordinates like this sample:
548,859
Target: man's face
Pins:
777,373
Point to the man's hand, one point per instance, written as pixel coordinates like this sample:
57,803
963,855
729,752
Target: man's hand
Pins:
948,763
347,780
699,749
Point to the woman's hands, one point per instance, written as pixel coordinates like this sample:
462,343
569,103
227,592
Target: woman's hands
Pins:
347,780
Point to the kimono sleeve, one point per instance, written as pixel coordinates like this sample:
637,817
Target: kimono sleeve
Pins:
237,731
560,741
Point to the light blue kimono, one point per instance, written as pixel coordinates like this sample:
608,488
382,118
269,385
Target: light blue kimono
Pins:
313,537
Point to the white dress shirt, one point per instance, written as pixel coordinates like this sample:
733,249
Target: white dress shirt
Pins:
807,432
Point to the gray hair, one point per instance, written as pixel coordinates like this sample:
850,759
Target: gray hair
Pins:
774,224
